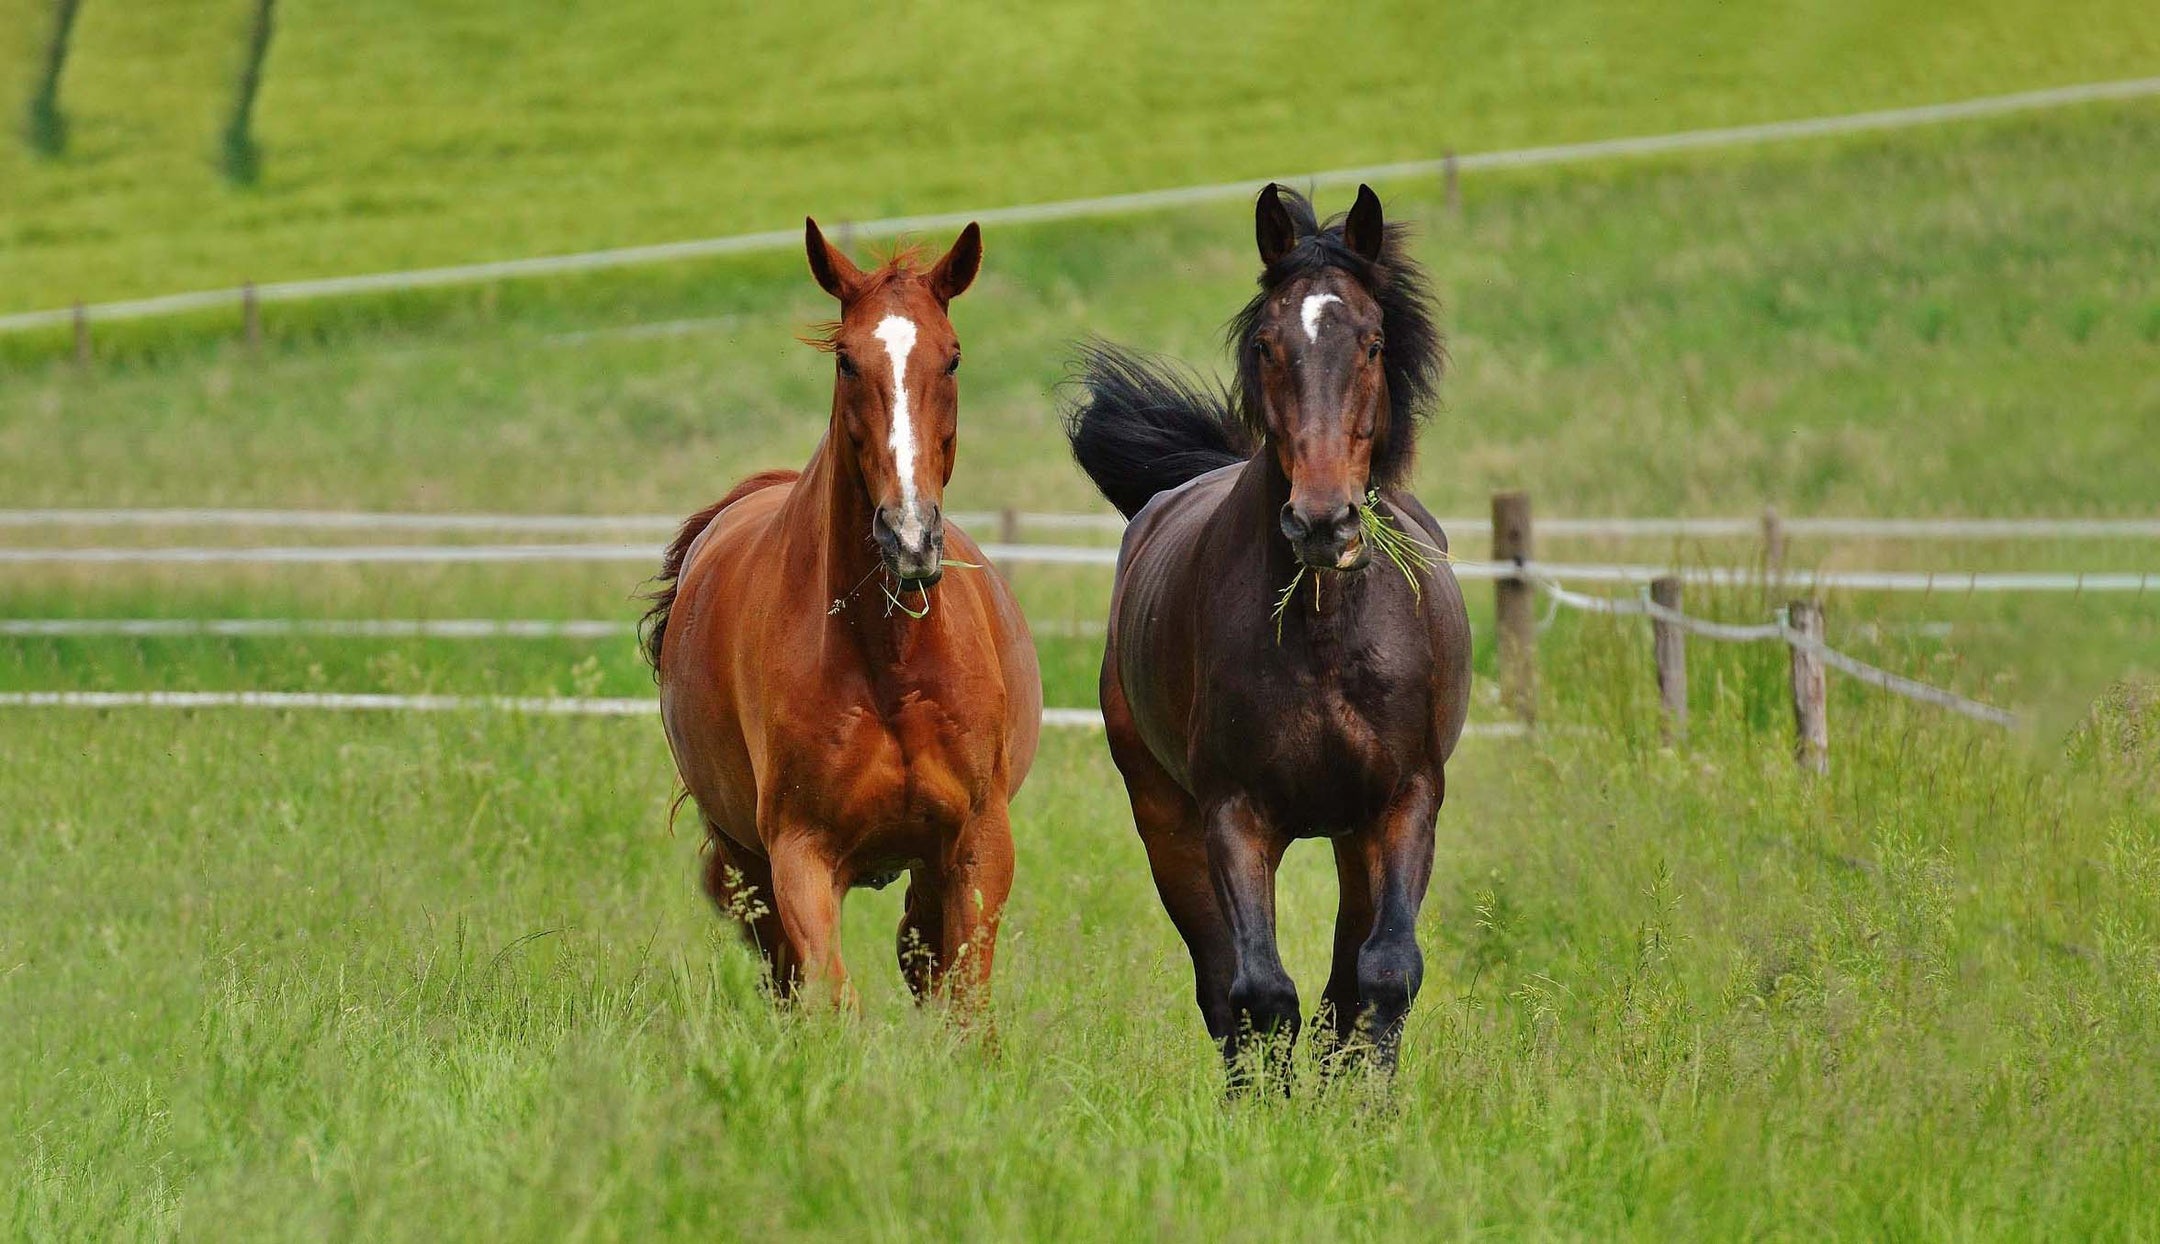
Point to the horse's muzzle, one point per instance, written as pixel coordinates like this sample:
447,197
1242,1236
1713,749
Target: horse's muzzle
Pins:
912,542
1331,541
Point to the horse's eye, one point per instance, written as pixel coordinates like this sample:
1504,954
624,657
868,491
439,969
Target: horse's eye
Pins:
953,366
846,365
1261,348
1373,351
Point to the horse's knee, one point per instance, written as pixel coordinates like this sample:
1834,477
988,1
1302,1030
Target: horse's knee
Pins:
1388,976
1268,1002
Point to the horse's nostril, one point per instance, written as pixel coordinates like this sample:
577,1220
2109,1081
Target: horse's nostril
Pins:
1293,523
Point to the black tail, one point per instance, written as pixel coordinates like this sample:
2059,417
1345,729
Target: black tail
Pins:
1141,426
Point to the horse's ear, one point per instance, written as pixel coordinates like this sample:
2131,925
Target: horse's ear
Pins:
954,273
834,271
1364,231
1272,226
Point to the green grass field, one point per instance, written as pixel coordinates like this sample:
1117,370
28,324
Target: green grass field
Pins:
292,975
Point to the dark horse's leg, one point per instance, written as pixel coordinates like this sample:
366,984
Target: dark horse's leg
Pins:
1176,842
1384,872
1243,853
741,887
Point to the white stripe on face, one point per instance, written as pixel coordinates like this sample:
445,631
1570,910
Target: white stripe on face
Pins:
1310,313
898,334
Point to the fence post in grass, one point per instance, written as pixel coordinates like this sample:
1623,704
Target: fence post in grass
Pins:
1451,177
1668,643
82,336
1515,606
1773,543
250,317
1810,688
1008,526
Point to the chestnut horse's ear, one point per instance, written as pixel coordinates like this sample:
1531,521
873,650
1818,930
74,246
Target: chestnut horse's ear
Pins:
954,273
835,272
1364,231
1272,226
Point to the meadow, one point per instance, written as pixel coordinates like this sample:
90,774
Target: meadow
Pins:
272,975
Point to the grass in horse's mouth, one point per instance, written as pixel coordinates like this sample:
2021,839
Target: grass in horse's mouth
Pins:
1415,558
893,601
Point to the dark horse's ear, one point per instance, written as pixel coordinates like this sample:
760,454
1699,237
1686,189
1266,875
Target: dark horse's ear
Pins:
835,272
954,273
1364,231
1272,226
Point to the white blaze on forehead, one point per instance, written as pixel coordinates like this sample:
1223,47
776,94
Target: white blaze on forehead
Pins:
1310,313
898,334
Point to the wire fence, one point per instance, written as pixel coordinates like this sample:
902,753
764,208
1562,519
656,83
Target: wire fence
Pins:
1070,209
1782,631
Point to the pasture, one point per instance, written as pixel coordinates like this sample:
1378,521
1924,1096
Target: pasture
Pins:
414,976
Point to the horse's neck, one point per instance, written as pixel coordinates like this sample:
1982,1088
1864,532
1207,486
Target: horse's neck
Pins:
828,525
829,517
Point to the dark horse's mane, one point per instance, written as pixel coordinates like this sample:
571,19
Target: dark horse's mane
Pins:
1143,425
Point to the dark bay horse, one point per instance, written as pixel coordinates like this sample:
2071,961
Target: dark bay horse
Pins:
1241,718
841,707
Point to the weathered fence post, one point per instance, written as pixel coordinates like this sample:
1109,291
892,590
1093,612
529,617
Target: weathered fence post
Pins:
1810,689
1773,544
1008,526
1515,606
1668,643
82,337
1451,176
250,317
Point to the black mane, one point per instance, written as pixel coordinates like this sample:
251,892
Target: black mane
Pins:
1414,353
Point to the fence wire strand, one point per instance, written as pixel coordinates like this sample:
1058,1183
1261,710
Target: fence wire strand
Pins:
1782,631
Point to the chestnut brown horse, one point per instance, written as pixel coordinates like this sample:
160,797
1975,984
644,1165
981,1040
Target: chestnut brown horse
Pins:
841,708
1241,718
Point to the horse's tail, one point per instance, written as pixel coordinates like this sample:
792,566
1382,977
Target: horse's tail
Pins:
653,626
1141,426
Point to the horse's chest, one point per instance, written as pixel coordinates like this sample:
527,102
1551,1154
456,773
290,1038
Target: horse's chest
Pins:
1324,748
912,766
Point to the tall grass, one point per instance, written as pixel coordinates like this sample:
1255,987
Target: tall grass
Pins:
412,977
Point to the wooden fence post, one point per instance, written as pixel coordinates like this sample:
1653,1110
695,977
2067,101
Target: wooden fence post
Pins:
82,337
1515,606
1773,543
1008,526
1451,177
1810,690
1668,643
250,317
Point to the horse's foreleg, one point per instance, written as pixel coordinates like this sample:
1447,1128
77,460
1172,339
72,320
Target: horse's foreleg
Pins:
1336,1022
977,878
1397,860
807,891
741,886
1243,853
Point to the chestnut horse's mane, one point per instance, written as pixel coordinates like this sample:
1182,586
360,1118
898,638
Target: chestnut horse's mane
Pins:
653,626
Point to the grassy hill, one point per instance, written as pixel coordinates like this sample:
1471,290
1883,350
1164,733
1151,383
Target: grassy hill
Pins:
400,133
